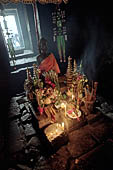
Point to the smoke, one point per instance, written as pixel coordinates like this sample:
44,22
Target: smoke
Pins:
89,63
92,49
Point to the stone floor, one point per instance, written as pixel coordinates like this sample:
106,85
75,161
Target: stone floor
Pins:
90,147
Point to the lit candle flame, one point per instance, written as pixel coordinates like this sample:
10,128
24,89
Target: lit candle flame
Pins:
72,96
63,125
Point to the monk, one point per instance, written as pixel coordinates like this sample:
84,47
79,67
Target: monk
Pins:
46,61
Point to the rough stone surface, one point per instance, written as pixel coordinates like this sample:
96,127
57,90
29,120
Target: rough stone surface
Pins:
15,142
29,130
34,141
63,156
26,117
110,115
102,129
89,146
14,110
80,142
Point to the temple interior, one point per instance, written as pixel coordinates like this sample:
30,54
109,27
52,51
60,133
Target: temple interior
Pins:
57,108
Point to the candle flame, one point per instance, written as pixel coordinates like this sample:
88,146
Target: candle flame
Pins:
62,125
63,105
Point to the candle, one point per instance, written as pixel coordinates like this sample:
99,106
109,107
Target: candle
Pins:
72,96
62,125
63,105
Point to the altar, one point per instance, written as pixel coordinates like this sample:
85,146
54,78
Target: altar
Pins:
60,103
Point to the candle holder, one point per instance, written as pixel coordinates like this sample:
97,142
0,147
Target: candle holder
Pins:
56,134
73,112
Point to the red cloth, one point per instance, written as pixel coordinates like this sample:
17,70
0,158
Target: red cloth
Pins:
49,63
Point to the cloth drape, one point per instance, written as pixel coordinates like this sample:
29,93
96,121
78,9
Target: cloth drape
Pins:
49,63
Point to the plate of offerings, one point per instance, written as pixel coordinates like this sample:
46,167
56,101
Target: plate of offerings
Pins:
72,112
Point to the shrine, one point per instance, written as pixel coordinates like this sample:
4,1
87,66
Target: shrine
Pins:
56,81
61,104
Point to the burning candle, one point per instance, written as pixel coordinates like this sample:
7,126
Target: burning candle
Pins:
72,96
56,132
63,105
62,125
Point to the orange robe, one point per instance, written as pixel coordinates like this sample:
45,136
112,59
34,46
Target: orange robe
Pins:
49,63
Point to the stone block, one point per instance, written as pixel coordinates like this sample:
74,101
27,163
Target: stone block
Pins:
102,129
80,142
14,138
29,130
